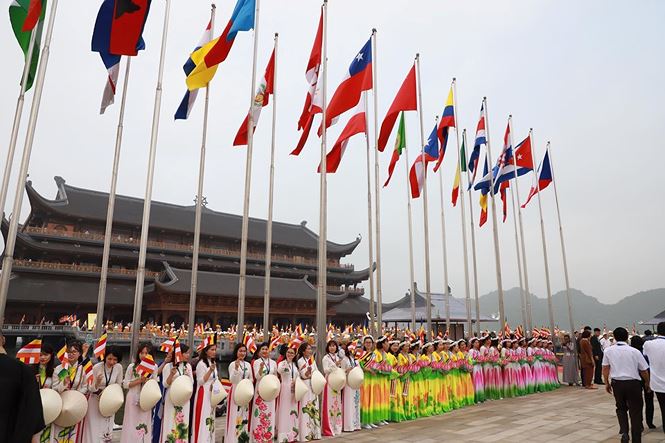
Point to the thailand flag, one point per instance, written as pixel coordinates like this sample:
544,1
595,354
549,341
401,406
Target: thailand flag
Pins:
187,103
508,167
357,124
418,171
544,178
357,79
480,140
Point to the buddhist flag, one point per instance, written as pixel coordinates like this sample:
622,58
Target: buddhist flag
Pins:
25,20
29,354
177,351
405,100
147,366
357,124
100,347
167,345
400,145
249,342
62,355
87,370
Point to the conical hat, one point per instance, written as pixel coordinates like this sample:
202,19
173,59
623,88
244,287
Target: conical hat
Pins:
51,404
301,389
355,378
74,408
218,393
269,387
337,379
318,382
111,400
150,395
243,393
181,390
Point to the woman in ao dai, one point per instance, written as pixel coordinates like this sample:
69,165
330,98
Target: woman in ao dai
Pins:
287,411
73,380
44,375
98,428
310,415
237,430
350,396
136,423
175,419
262,418
331,418
203,425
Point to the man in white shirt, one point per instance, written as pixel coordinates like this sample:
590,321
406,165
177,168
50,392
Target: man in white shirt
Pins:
654,351
623,369
605,341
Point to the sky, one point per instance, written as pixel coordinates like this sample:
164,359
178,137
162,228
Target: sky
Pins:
587,76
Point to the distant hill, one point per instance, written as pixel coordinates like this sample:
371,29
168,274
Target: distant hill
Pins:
587,310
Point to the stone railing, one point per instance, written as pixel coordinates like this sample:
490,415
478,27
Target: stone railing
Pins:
79,268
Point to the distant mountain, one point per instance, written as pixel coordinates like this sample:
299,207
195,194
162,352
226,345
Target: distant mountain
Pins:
587,310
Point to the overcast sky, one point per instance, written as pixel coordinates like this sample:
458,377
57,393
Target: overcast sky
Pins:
586,75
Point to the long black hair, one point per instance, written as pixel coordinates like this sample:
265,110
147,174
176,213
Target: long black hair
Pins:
142,346
76,344
115,351
301,350
50,366
203,355
258,349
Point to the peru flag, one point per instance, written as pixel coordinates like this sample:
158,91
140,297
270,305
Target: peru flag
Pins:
357,124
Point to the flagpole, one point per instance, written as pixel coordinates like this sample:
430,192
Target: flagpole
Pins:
145,222
495,232
446,294
550,309
517,240
563,245
8,260
17,121
323,202
412,278
101,295
469,323
242,278
191,316
271,186
370,227
428,288
377,194
473,251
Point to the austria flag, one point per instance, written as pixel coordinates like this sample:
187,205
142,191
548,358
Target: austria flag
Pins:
357,124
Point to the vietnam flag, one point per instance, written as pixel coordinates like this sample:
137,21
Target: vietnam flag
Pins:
127,25
405,100
400,145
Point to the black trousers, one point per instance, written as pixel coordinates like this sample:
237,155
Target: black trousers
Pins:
661,401
648,406
598,374
628,398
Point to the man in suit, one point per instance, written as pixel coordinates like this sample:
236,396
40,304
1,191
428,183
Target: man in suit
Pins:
597,350
21,414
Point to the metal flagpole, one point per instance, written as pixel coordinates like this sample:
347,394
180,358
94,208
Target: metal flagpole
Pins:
321,280
8,260
271,186
145,222
473,250
370,227
563,245
495,232
550,309
191,322
517,240
412,278
17,119
428,288
242,278
101,295
377,207
461,160
446,294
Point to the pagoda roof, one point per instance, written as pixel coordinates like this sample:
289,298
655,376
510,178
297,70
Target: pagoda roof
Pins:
654,321
358,305
86,204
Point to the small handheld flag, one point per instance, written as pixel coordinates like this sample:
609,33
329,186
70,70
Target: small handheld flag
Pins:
87,370
147,366
100,347
166,346
177,352
29,354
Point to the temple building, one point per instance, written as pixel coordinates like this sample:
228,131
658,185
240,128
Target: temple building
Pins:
58,260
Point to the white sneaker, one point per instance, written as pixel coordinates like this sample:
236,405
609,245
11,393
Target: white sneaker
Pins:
367,426
384,422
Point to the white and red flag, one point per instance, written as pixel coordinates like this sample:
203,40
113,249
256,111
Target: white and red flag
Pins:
357,124
29,354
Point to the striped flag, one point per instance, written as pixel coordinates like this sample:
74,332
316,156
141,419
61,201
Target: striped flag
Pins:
147,366
100,347
400,145
248,341
167,346
29,354
182,113
64,361
23,16
87,370
177,351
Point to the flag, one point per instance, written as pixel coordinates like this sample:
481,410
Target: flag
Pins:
87,370
249,342
22,18
101,43
182,113
127,23
276,338
313,103
480,140
29,354
455,194
62,355
167,345
147,366
177,351
405,100
504,200
484,190
418,171
447,121
544,178
261,98
508,166
215,52
357,124
400,145
100,347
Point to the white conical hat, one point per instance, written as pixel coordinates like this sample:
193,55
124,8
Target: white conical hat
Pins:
355,378
318,382
217,394
181,390
269,387
74,408
301,389
243,393
337,379
150,395
51,404
111,399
